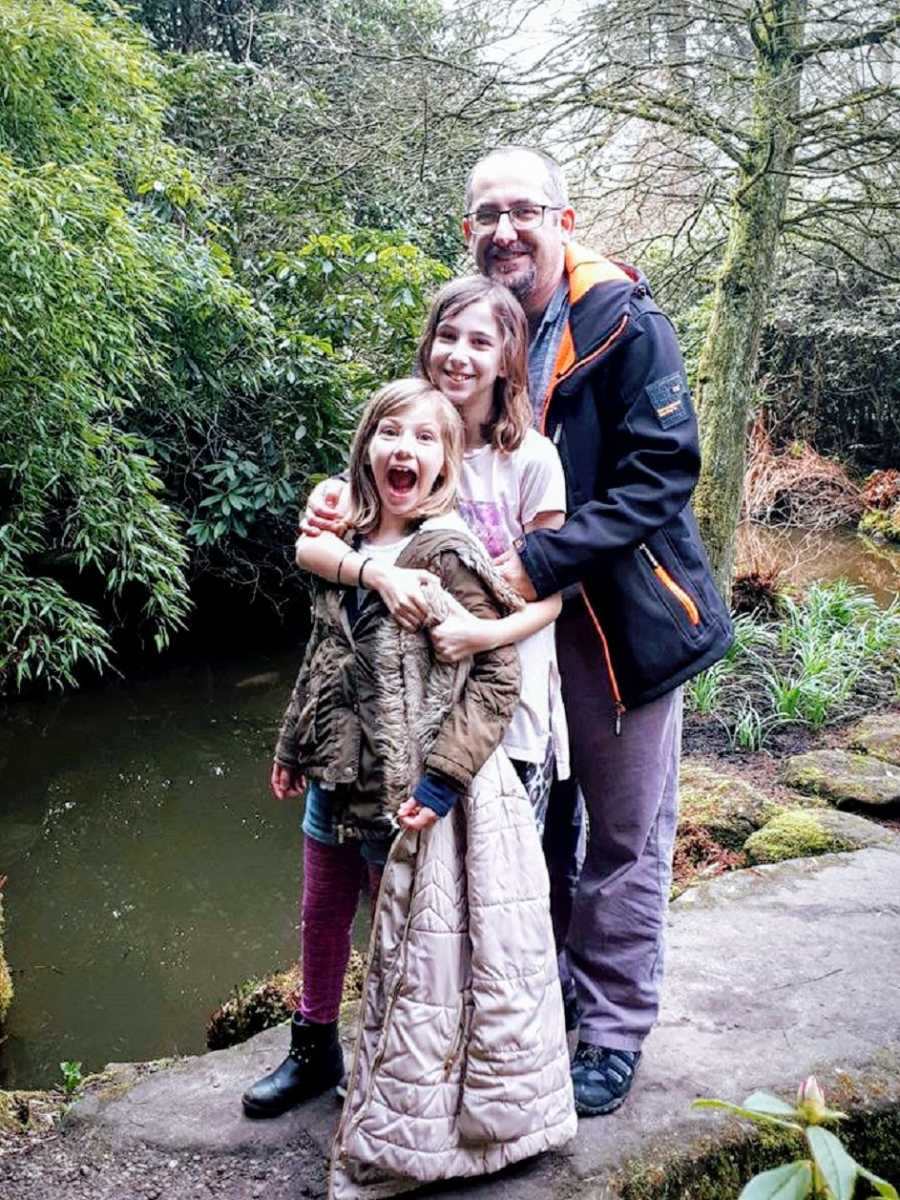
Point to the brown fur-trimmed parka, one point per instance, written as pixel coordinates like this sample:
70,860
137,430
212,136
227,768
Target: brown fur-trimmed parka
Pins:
370,697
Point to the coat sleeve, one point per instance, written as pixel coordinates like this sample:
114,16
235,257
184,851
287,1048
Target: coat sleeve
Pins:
476,724
655,464
286,746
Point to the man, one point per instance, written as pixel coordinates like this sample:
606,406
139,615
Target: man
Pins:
641,613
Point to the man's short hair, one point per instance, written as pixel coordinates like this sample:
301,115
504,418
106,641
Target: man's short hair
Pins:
555,186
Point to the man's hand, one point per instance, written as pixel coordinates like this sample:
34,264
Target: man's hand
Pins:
286,782
510,567
413,815
401,589
459,636
327,508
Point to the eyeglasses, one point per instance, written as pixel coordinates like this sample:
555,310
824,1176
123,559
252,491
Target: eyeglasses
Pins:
521,216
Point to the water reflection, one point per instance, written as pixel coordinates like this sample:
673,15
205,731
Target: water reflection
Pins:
805,556
149,869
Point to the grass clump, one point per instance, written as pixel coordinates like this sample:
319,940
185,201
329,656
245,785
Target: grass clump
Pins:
829,655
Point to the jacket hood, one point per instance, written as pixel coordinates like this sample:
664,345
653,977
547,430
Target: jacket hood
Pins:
586,268
601,291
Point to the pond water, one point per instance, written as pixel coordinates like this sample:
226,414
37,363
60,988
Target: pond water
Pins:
805,556
149,869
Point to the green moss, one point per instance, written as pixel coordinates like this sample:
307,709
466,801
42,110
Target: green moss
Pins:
878,735
716,1165
260,1004
6,987
843,776
718,1172
727,807
881,523
27,1112
795,833
713,1167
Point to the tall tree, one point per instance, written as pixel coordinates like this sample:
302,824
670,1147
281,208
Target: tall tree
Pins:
729,129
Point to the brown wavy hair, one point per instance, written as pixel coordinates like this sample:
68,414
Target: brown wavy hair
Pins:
392,398
513,415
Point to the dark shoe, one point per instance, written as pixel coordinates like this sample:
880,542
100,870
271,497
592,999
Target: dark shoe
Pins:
602,1078
314,1063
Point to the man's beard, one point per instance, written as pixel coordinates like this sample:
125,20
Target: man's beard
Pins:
522,285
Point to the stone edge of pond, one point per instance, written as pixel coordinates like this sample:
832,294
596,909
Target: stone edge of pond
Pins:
686,1164
32,1112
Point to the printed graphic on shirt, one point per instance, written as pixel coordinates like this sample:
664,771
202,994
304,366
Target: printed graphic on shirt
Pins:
670,399
485,520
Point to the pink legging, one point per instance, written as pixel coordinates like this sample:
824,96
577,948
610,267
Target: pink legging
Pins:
333,878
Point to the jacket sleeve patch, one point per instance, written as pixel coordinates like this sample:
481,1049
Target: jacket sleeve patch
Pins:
670,399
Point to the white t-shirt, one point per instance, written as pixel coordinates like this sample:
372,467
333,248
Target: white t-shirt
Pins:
385,553
499,494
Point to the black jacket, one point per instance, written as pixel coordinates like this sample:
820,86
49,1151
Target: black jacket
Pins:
619,410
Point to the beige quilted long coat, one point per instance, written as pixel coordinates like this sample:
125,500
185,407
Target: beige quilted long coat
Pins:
461,1066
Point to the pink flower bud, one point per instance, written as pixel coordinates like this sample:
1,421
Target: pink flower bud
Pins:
811,1103
810,1091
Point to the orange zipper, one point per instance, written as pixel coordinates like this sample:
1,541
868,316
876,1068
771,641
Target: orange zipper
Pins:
564,374
686,602
614,336
613,682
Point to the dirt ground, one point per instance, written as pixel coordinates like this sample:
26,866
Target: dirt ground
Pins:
76,1165
704,738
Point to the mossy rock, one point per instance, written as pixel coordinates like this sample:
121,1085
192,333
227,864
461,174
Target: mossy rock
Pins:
727,807
842,777
6,987
259,1004
878,735
717,1166
880,523
29,1112
804,832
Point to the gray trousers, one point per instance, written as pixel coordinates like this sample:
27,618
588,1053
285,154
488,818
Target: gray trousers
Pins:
616,919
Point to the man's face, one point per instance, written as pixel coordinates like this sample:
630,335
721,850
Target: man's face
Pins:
529,262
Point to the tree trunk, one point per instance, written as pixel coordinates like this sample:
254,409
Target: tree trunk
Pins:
729,356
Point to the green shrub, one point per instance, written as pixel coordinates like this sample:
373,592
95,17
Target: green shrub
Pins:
161,411
826,657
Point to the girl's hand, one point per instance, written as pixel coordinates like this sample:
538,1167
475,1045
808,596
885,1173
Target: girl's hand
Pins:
401,590
326,508
413,815
460,635
510,567
286,782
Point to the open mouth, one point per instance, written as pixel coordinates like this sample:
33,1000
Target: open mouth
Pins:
401,479
458,377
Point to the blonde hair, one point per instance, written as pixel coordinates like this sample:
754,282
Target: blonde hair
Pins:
392,398
512,416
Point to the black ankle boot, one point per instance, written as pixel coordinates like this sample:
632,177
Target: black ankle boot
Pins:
314,1063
